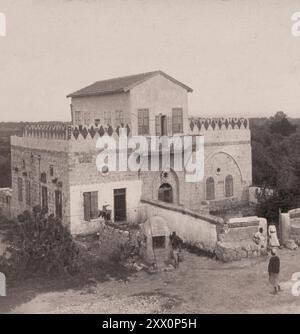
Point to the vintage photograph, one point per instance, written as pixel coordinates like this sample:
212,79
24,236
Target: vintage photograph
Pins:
149,157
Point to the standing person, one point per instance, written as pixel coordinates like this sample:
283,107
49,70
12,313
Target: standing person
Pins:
274,269
273,240
175,248
260,240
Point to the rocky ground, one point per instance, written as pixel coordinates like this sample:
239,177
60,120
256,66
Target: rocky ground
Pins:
200,285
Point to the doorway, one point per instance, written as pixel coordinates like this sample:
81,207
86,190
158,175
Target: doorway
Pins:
165,193
120,204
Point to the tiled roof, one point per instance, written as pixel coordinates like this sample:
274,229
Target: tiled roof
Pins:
120,85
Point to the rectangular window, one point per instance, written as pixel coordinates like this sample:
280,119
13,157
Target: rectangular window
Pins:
90,205
58,203
86,118
51,171
119,117
27,192
44,197
143,122
107,118
77,118
44,177
177,120
20,189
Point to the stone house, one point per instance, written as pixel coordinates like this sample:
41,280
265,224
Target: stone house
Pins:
55,165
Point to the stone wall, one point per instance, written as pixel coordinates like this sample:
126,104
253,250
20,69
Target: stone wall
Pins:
113,240
31,157
195,229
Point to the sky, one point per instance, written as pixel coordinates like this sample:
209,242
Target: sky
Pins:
239,56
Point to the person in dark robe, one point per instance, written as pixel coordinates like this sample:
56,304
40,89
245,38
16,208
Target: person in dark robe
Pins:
274,270
175,243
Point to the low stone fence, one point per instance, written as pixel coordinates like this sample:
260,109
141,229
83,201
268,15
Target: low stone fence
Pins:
116,243
235,240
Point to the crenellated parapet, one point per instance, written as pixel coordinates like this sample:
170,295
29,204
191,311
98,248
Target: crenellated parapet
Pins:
83,132
199,124
44,131
69,132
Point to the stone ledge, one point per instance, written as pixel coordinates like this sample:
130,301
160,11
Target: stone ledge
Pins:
173,207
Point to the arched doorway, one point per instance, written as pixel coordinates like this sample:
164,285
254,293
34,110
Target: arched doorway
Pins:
165,193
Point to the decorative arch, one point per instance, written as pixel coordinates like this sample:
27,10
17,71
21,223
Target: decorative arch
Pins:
229,155
227,176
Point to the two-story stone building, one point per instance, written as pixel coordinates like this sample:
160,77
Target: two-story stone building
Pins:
55,166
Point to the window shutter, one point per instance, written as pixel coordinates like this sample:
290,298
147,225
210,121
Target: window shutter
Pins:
94,204
146,122
140,122
157,126
87,206
169,125
180,116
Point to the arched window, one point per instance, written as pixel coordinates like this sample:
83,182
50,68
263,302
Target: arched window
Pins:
229,186
210,188
165,193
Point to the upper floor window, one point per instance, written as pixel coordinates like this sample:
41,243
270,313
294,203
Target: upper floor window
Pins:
44,177
210,188
86,118
119,117
107,118
229,186
77,118
177,120
51,170
143,122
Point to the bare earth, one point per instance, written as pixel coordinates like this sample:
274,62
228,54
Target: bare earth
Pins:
200,285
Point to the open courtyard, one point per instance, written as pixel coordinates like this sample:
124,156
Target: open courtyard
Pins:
200,285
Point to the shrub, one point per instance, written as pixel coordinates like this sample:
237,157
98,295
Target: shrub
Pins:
39,244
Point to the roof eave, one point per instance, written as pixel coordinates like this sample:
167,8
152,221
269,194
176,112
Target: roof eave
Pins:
117,91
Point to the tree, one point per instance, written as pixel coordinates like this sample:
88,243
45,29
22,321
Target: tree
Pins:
281,125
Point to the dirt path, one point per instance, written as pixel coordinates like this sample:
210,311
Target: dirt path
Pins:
200,285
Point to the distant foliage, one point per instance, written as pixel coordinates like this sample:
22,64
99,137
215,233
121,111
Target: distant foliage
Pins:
276,164
276,153
270,206
281,125
40,244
